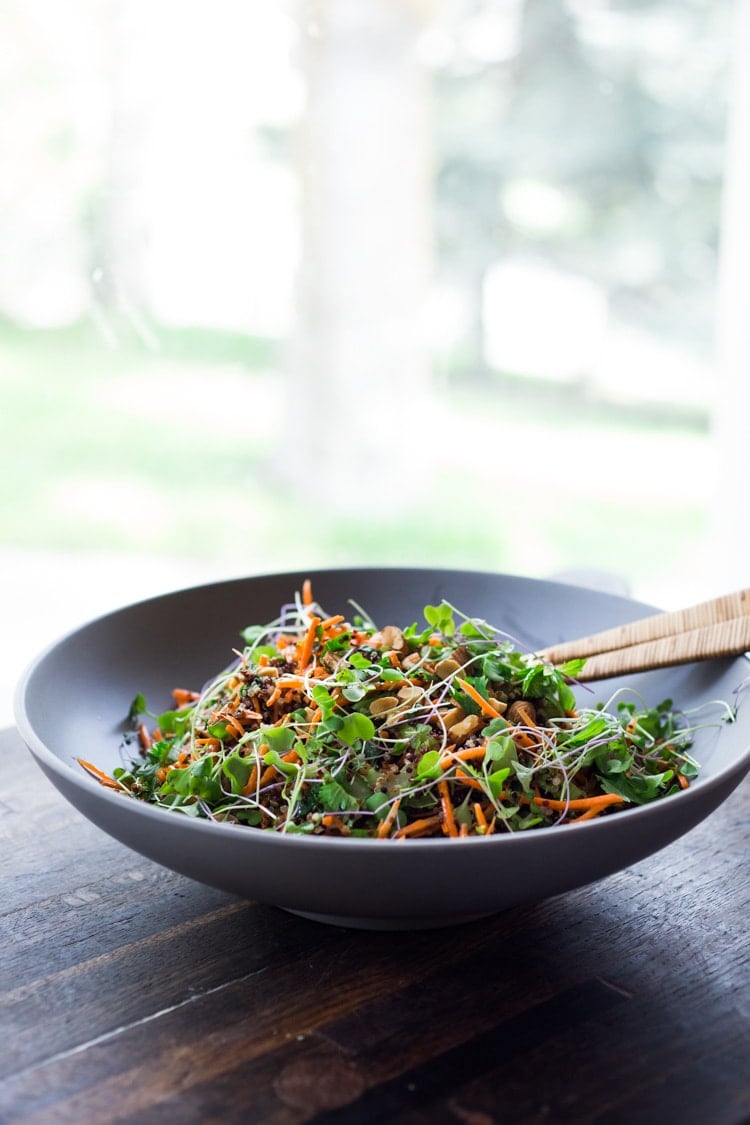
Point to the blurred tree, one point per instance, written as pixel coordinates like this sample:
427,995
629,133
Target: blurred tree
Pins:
617,110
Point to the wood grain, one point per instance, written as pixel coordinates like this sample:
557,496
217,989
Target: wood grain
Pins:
130,994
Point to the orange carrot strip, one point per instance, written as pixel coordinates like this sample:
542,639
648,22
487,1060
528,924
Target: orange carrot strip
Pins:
522,738
579,803
683,781
471,752
182,696
144,738
469,782
306,646
100,775
331,621
484,705
464,829
523,710
467,755
268,775
288,682
275,695
589,814
418,827
307,595
385,825
449,817
235,724
251,782
479,816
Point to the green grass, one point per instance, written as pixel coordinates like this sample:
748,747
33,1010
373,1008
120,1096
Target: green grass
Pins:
167,451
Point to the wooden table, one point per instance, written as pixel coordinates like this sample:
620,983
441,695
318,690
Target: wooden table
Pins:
132,994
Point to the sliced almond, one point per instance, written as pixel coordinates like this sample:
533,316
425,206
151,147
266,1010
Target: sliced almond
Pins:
459,732
455,715
446,668
383,704
393,638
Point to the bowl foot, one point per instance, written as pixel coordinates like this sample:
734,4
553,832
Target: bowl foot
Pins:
358,923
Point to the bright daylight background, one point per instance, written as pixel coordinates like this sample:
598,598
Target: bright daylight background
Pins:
288,283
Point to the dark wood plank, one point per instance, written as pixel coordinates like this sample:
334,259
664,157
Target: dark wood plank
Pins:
128,993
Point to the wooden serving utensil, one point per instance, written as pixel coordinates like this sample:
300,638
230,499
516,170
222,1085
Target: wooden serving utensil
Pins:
715,628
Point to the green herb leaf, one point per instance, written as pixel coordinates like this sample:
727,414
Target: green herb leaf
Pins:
355,727
428,767
335,798
441,618
137,707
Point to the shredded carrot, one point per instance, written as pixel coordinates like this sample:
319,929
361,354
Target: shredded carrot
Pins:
288,682
484,704
590,813
523,710
235,724
468,755
479,816
315,718
275,694
331,621
520,737
100,775
386,824
471,752
306,646
307,594
267,776
144,738
449,817
579,803
417,827
182,696
251,782
284,684
470,782
682,780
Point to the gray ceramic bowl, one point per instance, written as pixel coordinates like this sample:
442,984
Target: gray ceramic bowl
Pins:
74,698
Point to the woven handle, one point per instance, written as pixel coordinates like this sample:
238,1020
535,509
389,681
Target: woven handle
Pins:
716,628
